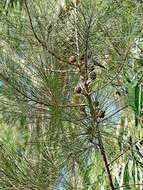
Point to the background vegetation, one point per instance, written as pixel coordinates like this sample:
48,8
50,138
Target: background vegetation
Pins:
71,95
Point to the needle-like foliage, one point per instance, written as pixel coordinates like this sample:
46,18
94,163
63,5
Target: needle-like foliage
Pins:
71,78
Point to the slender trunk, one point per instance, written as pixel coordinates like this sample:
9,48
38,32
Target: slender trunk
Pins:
103,153
101,146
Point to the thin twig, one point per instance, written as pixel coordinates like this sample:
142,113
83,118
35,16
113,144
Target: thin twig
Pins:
124,151
114,113
37,101
38,39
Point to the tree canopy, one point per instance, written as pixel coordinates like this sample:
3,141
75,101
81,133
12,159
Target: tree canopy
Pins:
71,95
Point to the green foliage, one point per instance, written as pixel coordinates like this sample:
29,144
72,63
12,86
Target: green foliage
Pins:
59,137
127,178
